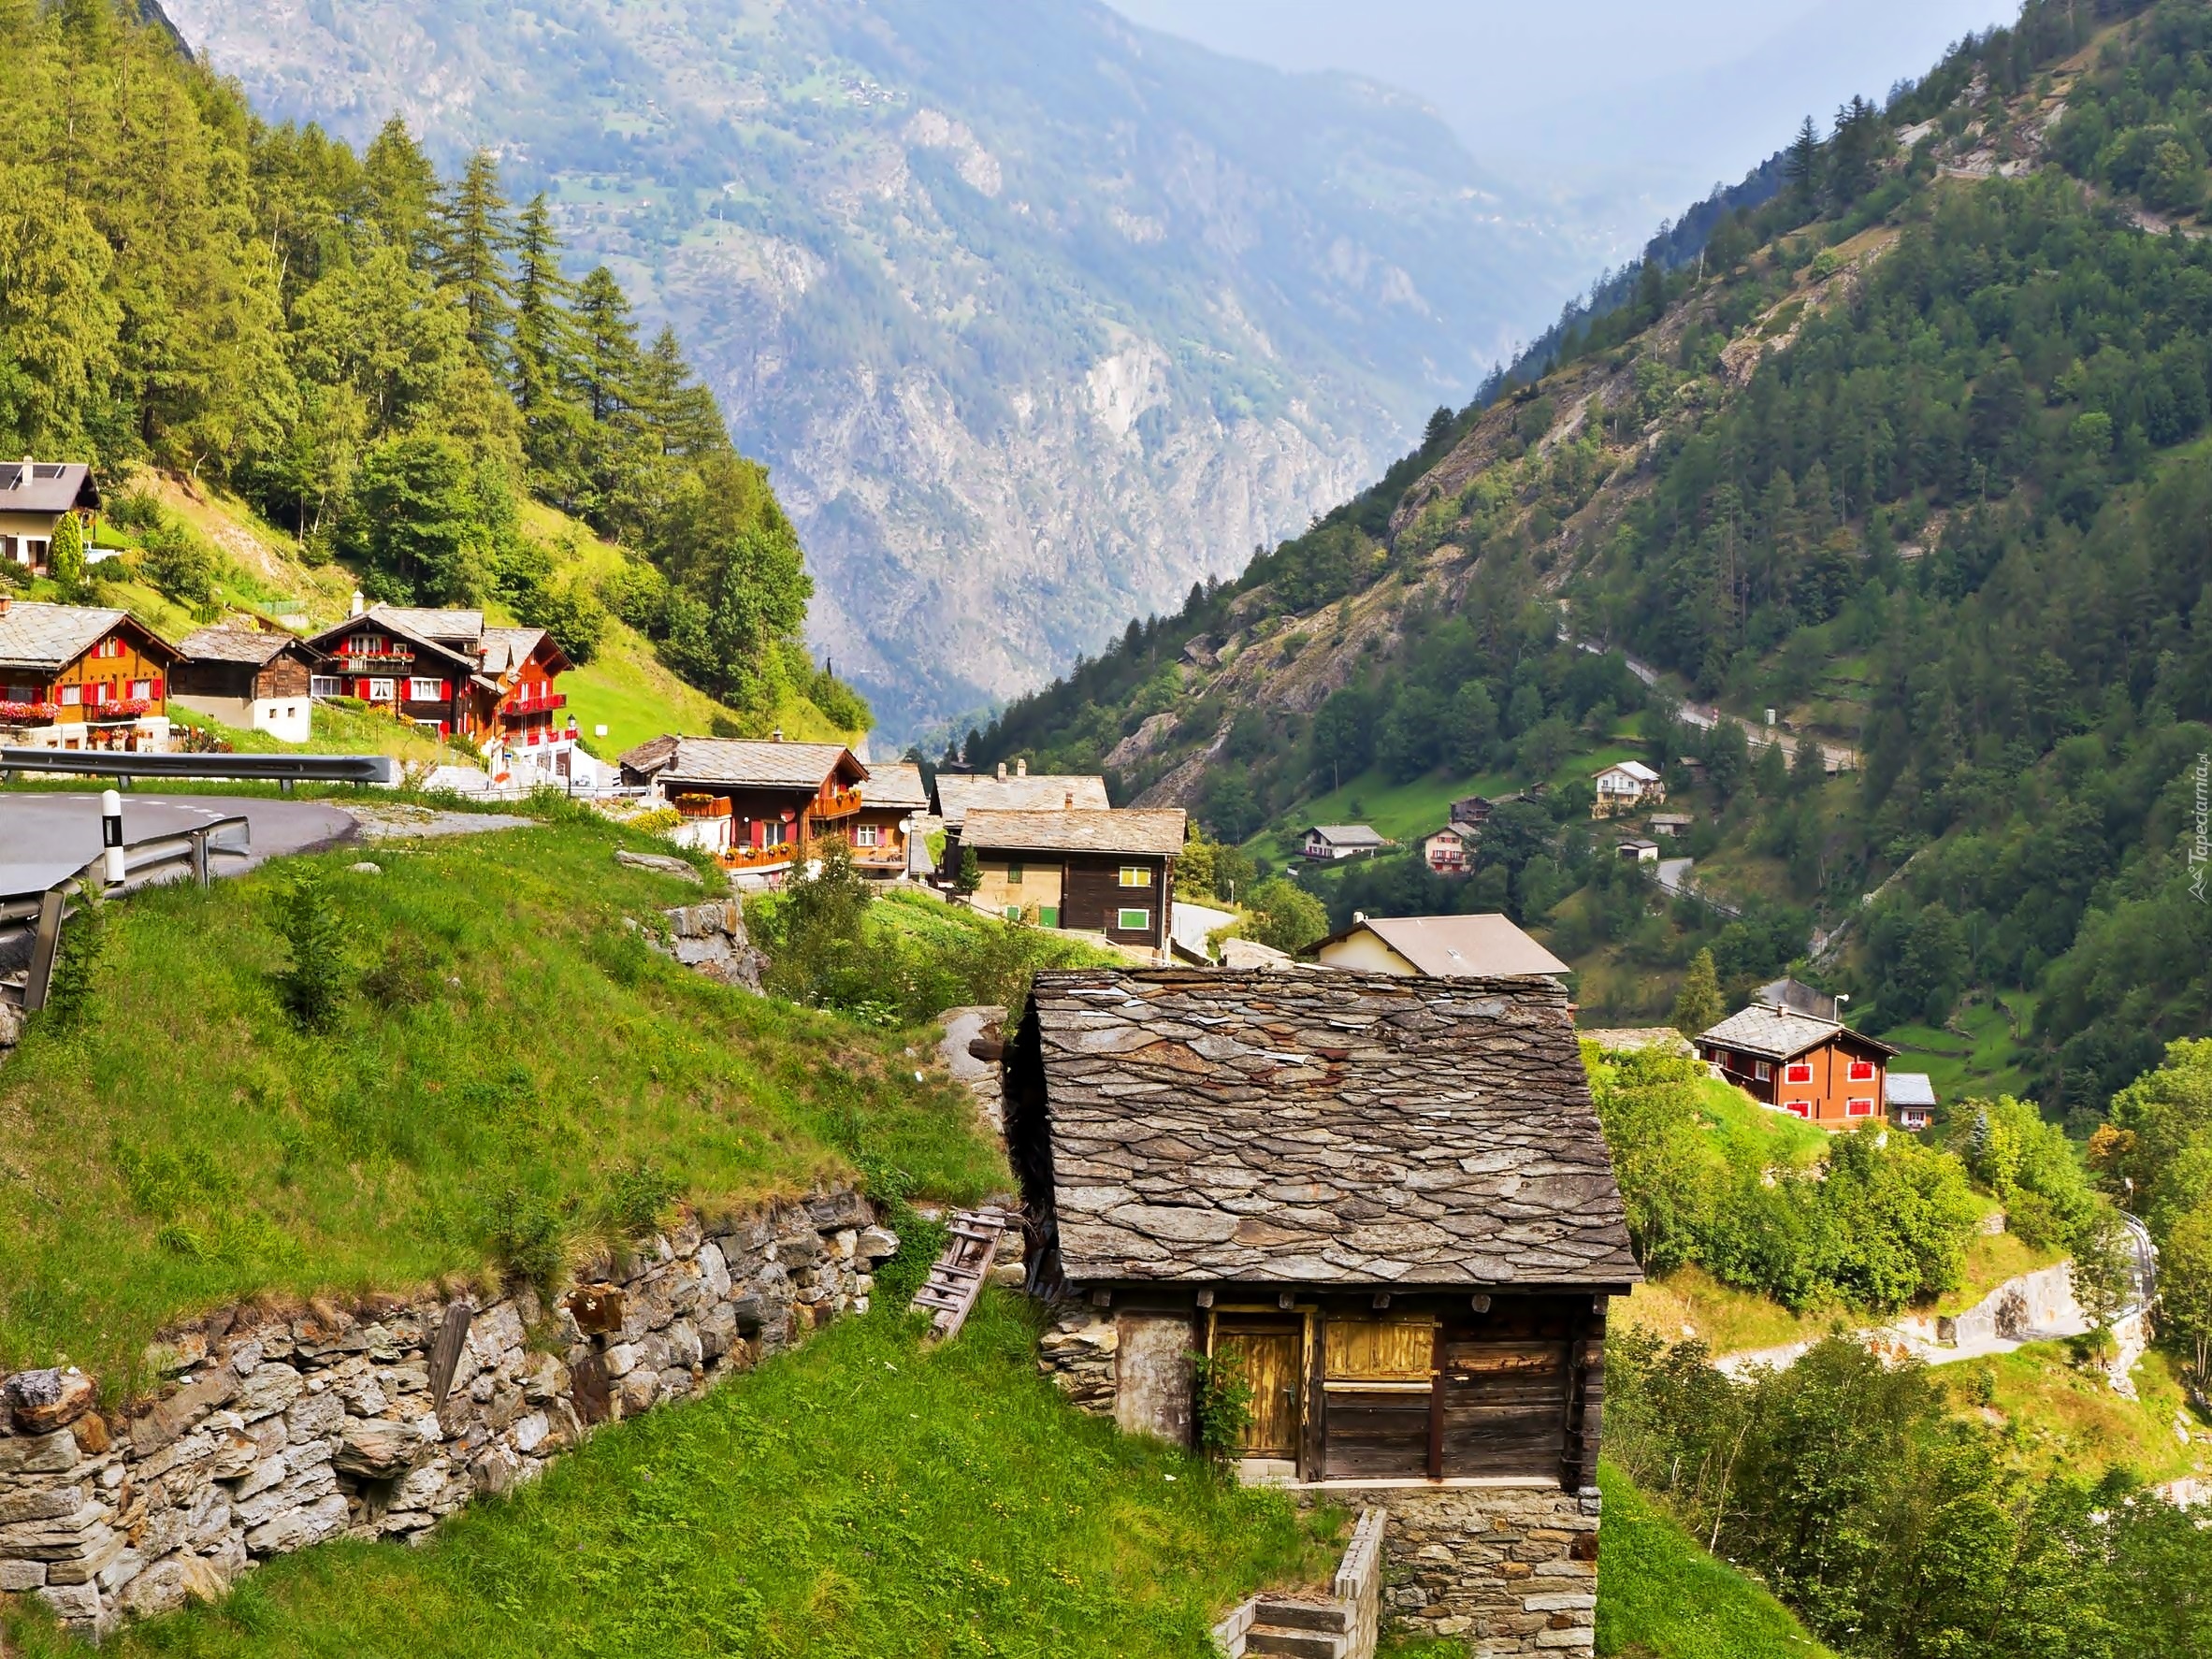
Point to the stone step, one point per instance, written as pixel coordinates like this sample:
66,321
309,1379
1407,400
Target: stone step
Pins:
1297,1644
1291,1614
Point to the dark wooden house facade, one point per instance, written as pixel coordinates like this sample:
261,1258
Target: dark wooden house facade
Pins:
757,803
1385,1201
256,679
1110,872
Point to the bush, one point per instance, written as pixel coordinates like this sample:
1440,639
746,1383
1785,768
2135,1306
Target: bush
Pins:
1285,915
312,987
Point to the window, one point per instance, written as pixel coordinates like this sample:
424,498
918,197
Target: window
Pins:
368,645
141,690
1762,1070
1860,1107
422,691
326,686
1013,875
1799,1109
1797,1071
380,690
1013,912
1863,1071
1132,921
1136,876
72,696
868,835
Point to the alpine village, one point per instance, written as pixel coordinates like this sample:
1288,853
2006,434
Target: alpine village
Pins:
1606,1050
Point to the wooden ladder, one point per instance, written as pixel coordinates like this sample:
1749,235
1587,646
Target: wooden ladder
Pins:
956,1278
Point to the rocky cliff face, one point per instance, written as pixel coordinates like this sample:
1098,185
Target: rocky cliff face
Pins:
1037,317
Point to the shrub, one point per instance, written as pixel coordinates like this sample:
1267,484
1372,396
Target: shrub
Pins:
1220,1403
312,987
1285,915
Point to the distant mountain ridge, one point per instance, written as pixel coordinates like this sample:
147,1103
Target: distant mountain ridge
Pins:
1038,317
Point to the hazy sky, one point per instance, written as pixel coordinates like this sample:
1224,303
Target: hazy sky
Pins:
1637,101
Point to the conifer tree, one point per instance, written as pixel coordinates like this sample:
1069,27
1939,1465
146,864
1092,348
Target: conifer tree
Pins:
475,235
681,413
1800,163
544,350
402,189
606,363
1698,1005
64,556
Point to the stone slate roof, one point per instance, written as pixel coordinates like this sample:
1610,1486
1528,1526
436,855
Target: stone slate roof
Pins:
1153,832
756,763
1456,946
961,793
447,627
54,486
1781,1034
896,784
391,619
1908,1088
1347,835
1313,1128
506,649
37,635
225,643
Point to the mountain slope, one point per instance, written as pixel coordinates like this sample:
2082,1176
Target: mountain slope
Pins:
1037,316
1913,457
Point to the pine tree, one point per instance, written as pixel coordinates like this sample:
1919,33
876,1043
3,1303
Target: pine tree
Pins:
402,189
606,363
64,556
681,413
475,235
1800,163
545,346
1698,1005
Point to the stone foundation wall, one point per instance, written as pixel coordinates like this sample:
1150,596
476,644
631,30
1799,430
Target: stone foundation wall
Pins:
1507,1571
274,1432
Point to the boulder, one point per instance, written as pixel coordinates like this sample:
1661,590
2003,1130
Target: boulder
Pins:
660,863
43,1401
377,1449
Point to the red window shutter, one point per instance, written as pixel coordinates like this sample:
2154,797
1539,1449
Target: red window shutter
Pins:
361,689
445,691
157,693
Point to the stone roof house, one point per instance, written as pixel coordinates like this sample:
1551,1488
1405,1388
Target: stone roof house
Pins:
1386,1202
1816,1069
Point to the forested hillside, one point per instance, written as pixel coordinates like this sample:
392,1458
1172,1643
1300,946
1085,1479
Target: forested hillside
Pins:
1035,314
383,361
1914,454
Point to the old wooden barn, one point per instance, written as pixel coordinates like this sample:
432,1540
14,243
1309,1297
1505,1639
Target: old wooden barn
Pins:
1386,1200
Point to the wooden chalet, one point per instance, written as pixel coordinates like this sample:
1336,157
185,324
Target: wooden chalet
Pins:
958,793
83,677
1327,842
446,672
1110,872
256,679
893,799
757,803
1446,850
35,498
1800,1063
1385,1201
1488,947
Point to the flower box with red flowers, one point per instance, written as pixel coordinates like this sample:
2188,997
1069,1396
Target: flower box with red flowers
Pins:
30,713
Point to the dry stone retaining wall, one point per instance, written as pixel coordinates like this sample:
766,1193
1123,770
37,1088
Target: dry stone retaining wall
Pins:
275,1431
1508,1570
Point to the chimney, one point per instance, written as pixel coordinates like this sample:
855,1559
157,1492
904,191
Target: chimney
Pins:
1002,771
356,610
3,604
1358,916
22,478
1068,805
776,736
1022,767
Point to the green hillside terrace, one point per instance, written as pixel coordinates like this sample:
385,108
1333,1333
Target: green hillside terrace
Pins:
508,1076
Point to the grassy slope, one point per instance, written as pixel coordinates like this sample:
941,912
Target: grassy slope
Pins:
504,1032
2053,1416
625,687
1661,1596
854,1499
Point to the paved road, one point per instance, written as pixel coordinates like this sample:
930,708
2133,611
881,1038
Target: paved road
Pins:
44,837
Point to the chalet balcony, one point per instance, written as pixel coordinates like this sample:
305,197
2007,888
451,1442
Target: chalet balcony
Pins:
371,661
29,714
761,858
520,706
837,803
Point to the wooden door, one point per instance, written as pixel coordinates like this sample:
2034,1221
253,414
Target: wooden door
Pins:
1271,1352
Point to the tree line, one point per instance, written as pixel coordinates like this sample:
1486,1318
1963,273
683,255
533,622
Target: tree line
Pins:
386,361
